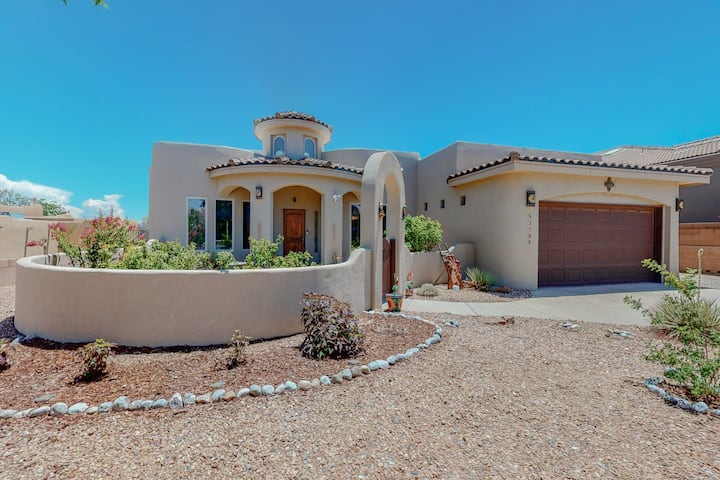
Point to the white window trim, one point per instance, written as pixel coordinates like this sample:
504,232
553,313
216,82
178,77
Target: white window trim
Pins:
232,219
274,138
187,214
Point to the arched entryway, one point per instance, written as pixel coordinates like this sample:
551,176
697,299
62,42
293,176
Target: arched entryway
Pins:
383,197
296,216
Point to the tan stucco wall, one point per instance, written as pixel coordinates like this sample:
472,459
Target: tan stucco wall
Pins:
161,308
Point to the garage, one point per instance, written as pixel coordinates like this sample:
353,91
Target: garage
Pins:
585,244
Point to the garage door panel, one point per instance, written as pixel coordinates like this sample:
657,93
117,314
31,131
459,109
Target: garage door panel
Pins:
587,244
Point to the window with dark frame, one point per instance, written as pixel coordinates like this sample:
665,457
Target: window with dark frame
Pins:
462,200
442,203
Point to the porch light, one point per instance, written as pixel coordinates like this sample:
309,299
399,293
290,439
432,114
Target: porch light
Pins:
679,204
336,197
258,191
404,212
381,210
530,198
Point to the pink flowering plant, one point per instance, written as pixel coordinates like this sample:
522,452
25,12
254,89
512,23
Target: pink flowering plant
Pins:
101,243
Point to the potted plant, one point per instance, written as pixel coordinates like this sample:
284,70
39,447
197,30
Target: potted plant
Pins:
394,299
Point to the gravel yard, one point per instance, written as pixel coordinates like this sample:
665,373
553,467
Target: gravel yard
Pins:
524,400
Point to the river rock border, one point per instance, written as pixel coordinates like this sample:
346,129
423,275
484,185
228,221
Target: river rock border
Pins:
177,401
679,402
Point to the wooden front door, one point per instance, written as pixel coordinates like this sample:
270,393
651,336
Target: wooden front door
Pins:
293,230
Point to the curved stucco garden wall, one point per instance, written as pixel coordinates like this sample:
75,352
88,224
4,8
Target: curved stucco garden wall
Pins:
164,308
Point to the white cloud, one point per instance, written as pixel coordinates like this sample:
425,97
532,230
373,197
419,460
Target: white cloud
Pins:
35,190
89,209
92,206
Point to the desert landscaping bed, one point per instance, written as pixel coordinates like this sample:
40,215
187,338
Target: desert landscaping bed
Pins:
471,295
524,399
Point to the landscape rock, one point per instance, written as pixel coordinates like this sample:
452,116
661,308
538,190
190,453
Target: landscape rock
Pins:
280,389
268,390
337,378
304,385
715,412
175,402
22,413
347,374
92,410
204,398
76,408
243,392
364,369
217,385
684,404
40,411
378,365
135,405
655,389
7,413
411,351
229,396
325,380
146,404
315,383
438,330
218,394
700,407
159,403
433,340
671,399
120,404
44,398
570,326
255,390
654,381
356,371
290,386
58,409
105,407
188,398
392,360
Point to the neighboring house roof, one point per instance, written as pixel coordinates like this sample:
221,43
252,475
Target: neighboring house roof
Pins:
515,157
638,155
292,115
306,162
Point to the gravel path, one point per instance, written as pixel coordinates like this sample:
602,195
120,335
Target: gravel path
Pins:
526,400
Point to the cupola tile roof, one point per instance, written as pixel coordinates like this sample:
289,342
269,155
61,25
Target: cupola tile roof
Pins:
292,115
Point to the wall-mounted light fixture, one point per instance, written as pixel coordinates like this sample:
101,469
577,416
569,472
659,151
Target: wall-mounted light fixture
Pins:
336,197
679,204
381,210
530,198
609,184
404,212
258,191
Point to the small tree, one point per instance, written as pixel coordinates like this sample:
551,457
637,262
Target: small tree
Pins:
691,353
422,234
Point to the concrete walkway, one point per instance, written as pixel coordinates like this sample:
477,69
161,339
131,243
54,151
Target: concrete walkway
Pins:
597,303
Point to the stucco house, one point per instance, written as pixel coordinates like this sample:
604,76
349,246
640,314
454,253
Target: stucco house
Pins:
534,217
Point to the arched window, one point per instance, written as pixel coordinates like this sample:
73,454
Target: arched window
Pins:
309,148
278,146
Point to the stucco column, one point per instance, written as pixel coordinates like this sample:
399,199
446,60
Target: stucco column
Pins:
331,228
261,216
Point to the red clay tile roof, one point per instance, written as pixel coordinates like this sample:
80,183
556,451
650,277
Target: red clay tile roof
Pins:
514,156
293,116
307,162
652,155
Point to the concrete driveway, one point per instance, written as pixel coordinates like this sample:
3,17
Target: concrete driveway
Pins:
596,303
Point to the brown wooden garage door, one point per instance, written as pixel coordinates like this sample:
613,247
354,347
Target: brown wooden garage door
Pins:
584,244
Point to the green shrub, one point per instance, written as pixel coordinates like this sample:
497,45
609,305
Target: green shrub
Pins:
428,290
691,353
263,254
238,344
480,279
94,357
4,362
422,234
163,256
331,330
224,260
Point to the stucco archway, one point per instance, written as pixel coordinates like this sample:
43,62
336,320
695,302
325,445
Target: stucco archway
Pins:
382,179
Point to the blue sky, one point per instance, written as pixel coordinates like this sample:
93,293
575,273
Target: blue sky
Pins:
85,91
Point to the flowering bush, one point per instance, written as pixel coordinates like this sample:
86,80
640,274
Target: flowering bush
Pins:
263,254
100,244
